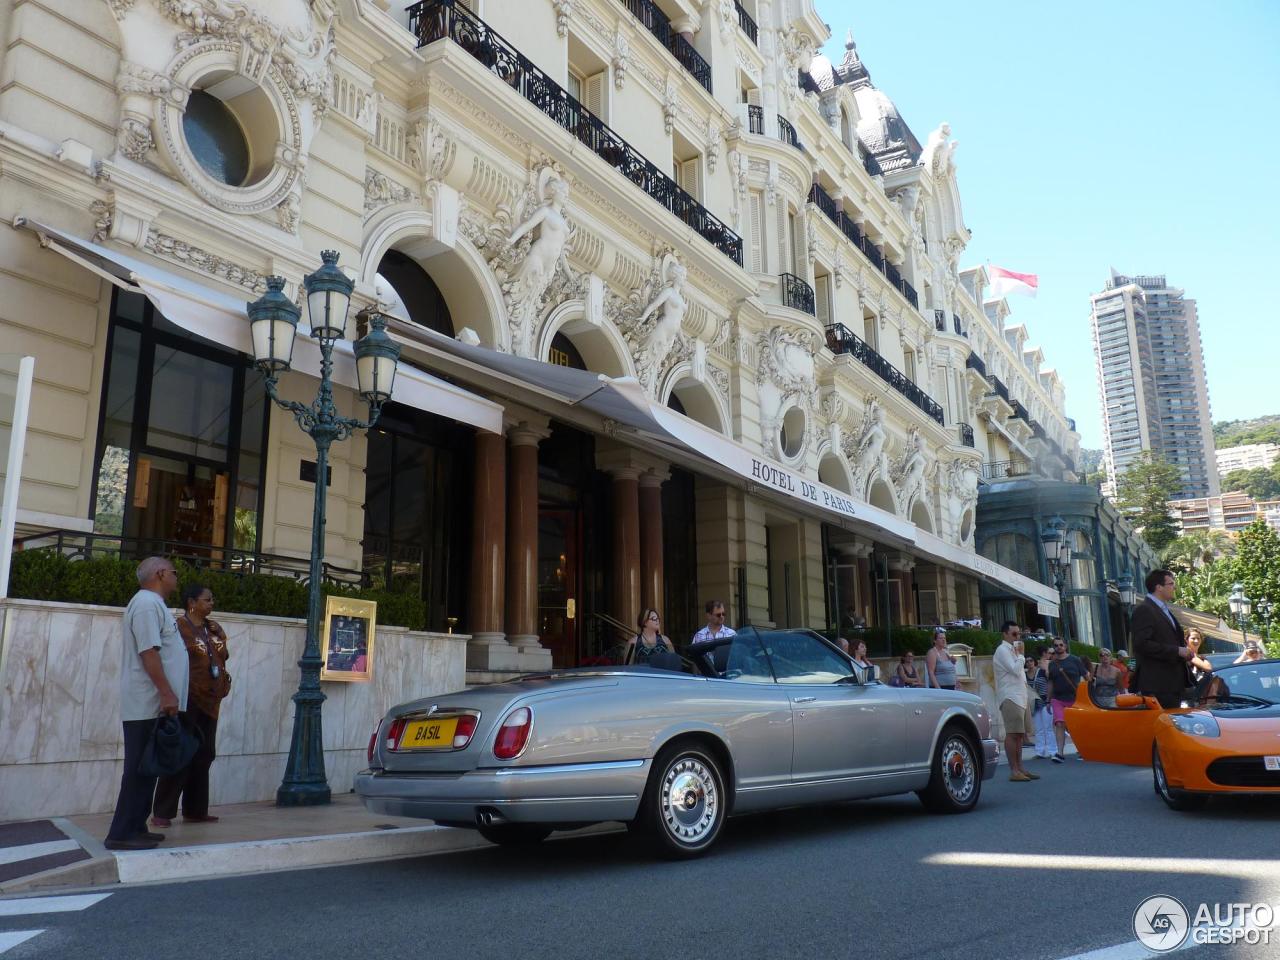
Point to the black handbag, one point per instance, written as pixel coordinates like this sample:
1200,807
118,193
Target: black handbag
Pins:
170,749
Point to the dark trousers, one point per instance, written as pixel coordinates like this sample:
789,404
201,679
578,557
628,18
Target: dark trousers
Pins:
192,783
1168,700
134,802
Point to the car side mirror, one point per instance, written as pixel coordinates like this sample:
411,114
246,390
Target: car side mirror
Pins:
871,674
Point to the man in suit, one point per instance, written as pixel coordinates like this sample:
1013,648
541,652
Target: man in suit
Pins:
1157,643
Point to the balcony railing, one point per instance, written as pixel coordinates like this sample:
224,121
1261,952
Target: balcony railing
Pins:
659,24
824,202
975,362
966,434
940,321
955,324
851,229
1020,412
807,83
747,24
840,339
1006,469
433,20
999,389
787,133
909,292
872,253
797,294
755,118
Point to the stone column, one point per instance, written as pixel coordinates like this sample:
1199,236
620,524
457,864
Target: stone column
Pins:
522,535
651,575
488,648
905,565
625,600
866,585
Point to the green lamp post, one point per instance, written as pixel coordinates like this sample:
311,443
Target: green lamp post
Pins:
273,321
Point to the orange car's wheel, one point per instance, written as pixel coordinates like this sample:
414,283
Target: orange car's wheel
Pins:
1176,799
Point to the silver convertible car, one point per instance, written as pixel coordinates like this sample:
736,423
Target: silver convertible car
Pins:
764,720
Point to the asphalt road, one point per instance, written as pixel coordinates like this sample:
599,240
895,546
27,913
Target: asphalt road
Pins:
872,879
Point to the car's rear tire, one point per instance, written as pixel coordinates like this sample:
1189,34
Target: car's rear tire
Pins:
684,802
1175,799
514,834
955,774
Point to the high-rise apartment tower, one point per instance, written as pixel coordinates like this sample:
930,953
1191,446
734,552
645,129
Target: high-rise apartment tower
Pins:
1146,339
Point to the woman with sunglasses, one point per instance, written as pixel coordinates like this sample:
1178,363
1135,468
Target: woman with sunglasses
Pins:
649,640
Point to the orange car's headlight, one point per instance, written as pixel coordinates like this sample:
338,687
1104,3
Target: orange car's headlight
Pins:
1197,726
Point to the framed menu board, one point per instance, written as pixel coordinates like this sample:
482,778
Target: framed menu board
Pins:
346,643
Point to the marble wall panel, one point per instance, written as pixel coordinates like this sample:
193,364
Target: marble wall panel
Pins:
100,732
62,662
63,701
25,653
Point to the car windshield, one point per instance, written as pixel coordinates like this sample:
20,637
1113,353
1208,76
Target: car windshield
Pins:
804,657
1258,681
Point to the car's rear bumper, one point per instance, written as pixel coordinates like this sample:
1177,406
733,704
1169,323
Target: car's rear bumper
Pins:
990,758
564,793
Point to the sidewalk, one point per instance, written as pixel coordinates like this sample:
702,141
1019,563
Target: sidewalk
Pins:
249,838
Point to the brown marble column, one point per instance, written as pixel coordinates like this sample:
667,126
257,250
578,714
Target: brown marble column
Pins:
905,566
488,554
625,602
522,537
651,574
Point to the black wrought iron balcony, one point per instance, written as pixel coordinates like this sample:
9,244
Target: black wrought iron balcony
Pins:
909,292
999,389
851,229
1006,469
824,202
940,321
797,294
955,325
659,24
807,83
974,362
747,24
966,434
893,274
433,20
872,253
755,118
1038,432
871,165
1020,412
787,133
840,339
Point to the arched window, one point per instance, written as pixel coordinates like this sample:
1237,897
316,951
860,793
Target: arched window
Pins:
423,301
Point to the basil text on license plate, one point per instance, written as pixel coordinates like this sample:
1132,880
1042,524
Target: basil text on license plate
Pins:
1272,763
428,734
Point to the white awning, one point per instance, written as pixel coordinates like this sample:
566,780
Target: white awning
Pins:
221,319
624,401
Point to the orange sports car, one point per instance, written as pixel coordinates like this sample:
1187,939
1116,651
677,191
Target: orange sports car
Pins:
1225,738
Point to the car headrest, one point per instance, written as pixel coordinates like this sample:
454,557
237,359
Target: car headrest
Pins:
1129,700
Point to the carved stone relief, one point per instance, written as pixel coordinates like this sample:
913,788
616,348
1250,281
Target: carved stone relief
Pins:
786,377
910,469
865,448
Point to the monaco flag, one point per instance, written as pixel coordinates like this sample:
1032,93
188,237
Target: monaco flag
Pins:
1005,282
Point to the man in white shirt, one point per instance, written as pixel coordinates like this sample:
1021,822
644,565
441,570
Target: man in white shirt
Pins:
1011,695
715,628
154,673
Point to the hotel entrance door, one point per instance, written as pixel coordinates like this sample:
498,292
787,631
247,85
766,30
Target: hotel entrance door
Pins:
559,582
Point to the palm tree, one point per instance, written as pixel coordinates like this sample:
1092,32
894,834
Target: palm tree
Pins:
1198,549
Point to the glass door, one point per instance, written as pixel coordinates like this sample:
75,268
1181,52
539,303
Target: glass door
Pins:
558,587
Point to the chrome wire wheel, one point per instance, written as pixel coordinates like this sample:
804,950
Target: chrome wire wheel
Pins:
689,800
959,770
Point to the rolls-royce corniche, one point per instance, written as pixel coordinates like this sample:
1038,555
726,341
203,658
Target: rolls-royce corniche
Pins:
765,720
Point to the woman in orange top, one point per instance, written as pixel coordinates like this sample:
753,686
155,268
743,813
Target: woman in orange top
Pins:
210,683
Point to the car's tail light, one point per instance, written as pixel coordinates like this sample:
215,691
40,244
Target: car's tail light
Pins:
373,742
394,733
463,732
513,735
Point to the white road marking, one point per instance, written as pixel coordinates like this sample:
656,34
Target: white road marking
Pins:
70,904
1238,869
11,938
1133,950
28,851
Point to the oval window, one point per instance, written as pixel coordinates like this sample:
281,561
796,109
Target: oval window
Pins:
791,435
216,139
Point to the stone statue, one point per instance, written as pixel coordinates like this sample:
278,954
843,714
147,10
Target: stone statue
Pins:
530,279
909,471
865,450
934,147
670,300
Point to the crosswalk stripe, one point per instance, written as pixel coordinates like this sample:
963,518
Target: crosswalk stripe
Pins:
11,938
27,851
30,905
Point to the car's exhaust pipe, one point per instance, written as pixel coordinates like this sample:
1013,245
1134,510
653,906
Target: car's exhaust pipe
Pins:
489,818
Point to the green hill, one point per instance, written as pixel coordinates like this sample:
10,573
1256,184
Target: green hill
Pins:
1234,433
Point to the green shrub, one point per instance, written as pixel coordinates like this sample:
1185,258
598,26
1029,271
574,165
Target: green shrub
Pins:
110,581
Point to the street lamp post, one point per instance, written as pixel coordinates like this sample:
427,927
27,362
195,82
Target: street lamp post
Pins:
1125,586
273,321
1264,611
1240,606
1058,558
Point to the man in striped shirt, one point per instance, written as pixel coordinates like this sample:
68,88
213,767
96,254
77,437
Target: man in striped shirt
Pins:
715,628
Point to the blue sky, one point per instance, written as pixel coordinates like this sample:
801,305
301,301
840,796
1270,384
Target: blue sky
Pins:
1139,135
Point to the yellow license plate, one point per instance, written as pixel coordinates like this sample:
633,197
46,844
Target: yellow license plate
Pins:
434,734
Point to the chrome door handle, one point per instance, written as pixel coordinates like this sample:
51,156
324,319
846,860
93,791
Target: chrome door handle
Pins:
803,699
919,713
